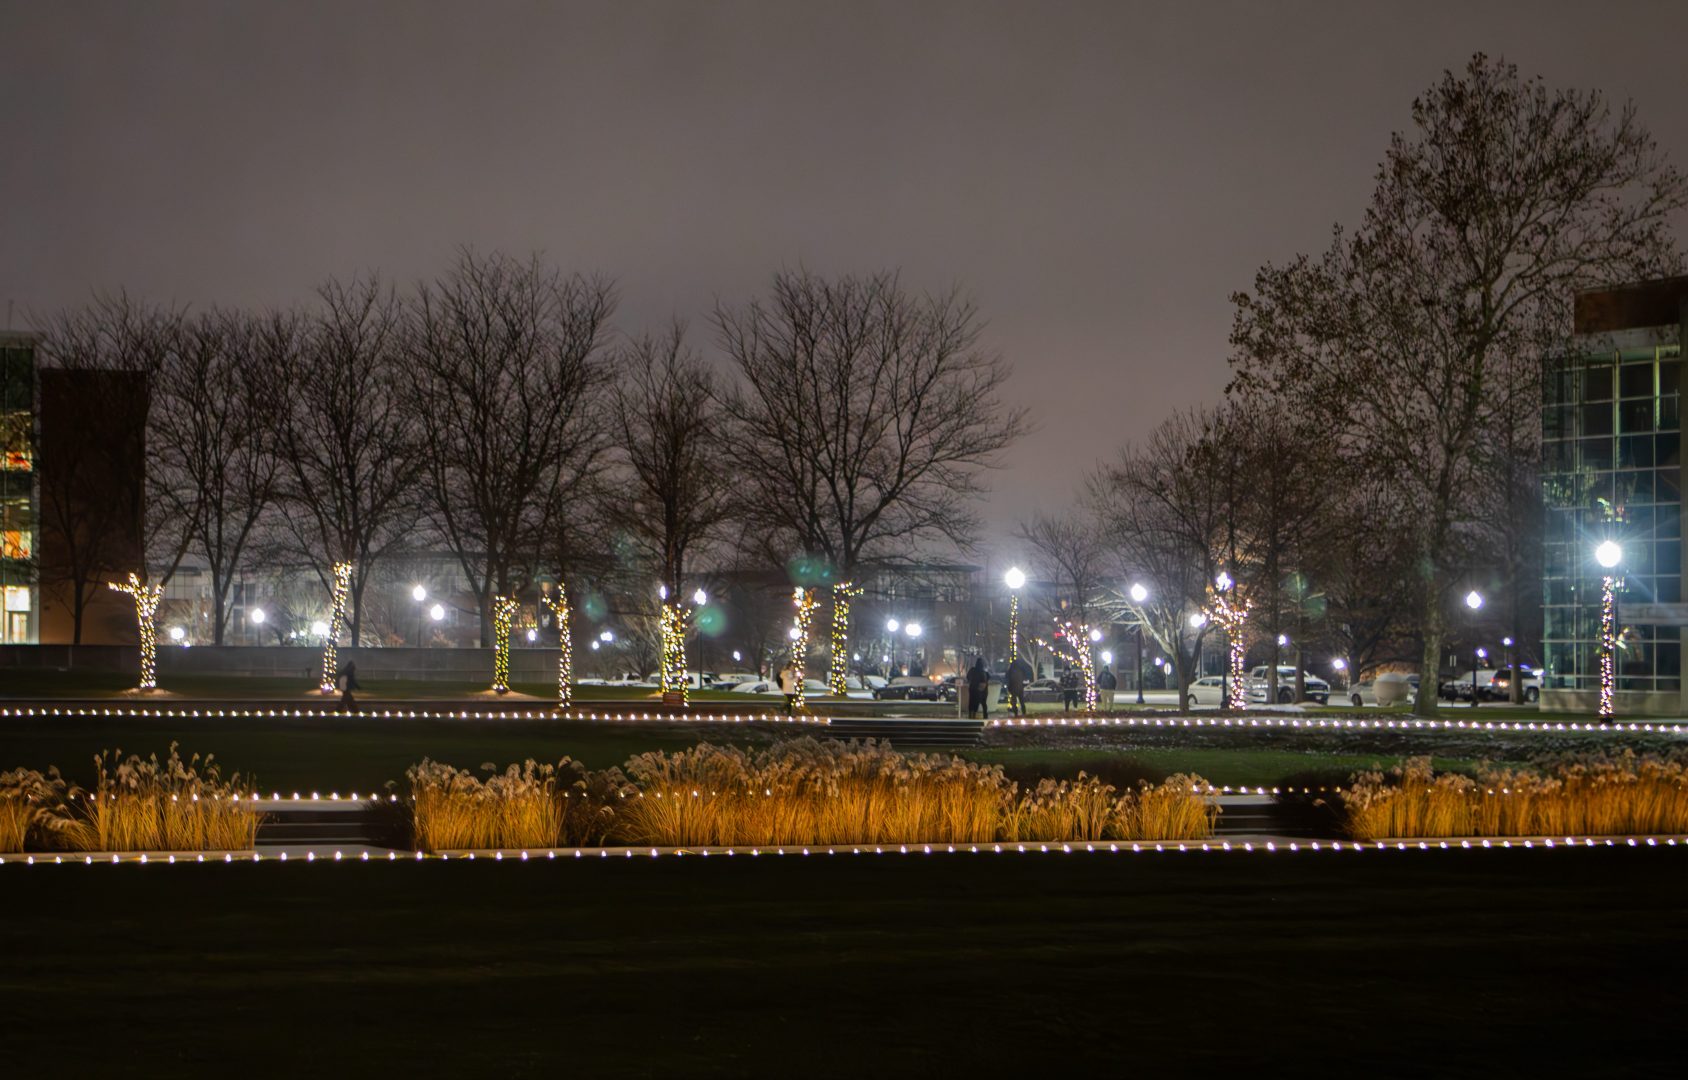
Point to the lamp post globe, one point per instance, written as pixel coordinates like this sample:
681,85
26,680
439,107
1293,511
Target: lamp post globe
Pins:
418,594
1015,578
1609,553
1473,599
1139,593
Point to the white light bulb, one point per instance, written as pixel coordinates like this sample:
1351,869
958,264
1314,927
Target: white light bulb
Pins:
794,633
1473,599
177,633
700,598
437,612
319,629
892,625
1095,635
419,594
1197,621
1139,593
257,616
1608,554
1015,577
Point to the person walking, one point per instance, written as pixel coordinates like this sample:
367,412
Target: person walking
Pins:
978,682
350,674
1019,673
1107,683
1069,689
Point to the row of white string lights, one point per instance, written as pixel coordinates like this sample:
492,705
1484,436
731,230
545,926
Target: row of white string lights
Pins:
1267,847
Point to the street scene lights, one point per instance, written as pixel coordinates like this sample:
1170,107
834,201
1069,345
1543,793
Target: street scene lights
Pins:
1608,554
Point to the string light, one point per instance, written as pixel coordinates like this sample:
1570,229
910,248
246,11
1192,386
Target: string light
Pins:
673,623
1263,847
336,620
838,676
558,602
1231,617
146,599
1076,640
503,614
804,600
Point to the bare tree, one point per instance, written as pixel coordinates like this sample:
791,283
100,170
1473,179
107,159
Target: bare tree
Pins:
1070,555
670,446
1506,199
1165,515
862,417
214,429
508,381
348,441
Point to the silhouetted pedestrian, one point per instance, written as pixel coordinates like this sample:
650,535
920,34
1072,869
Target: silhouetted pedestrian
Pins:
978,683
350,674
1106,684
1019,673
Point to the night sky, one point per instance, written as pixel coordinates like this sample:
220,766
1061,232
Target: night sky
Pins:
1100,176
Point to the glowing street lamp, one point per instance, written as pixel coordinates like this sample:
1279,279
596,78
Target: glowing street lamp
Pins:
177,633
1482,655
437,612
418,594
1474,601
1608,554
257,616
319,629
1139,593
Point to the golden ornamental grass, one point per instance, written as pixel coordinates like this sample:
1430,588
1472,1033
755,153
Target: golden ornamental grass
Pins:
526,806
138,805
795,792
1599,794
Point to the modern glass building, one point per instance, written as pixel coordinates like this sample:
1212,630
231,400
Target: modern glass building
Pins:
19,597
1612,469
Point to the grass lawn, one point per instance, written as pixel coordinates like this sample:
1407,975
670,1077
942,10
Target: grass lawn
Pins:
1458,964
335,754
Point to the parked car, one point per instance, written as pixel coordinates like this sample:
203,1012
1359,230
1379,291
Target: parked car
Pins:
1208,690
1041,690
1316,689
908,688
811,688
1499,684
1459,686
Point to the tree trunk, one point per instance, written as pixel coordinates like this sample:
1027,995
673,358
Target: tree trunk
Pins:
1429,680
78,600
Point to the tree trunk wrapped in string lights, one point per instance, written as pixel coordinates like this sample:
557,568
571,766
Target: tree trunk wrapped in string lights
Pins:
336,622
804,600
838,674
1231,616
1013,627
1608,647
674,679
503,614
146,599
559,605
1072,642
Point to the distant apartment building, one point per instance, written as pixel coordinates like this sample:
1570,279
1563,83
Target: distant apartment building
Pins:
1612,469
20,601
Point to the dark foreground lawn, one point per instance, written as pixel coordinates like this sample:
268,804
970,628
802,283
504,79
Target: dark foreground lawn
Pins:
1454,964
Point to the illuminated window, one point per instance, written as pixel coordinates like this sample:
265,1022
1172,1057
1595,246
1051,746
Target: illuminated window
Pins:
14,544
17,598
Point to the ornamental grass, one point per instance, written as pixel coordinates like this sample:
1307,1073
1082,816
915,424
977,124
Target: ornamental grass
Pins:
530,805
1601,794
795,792
138,804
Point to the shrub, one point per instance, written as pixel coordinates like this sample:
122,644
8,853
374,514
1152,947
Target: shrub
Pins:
1572,795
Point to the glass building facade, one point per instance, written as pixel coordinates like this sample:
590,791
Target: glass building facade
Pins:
19,597
1612,469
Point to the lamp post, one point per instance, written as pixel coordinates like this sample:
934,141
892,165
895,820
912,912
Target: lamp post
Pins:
1474,601
1514,685
1340,666
419,594
1482,655
913,631
1139,593
891,628
1608,554
1014,579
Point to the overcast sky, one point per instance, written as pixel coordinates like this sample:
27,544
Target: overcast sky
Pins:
1100,176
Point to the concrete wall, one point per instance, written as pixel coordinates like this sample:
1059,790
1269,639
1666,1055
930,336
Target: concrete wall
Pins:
444,665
